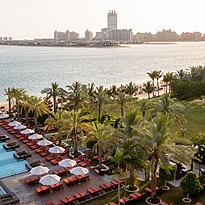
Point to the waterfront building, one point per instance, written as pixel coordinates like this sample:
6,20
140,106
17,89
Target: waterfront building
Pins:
10,38
166,35
88,36
74,36
187,36
0,39
112,20
65,36
97,36
120,35
5,38
143,37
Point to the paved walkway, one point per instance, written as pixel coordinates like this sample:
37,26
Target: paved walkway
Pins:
27,193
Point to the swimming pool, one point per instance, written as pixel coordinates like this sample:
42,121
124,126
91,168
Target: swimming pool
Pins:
8,164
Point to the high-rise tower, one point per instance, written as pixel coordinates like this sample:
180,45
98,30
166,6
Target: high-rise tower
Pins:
112,20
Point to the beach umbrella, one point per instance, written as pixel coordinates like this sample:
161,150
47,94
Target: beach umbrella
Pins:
56,149
14,123
35,137
44,142
39,170
4,116
20,127
27,131
50,179
67,163
79,170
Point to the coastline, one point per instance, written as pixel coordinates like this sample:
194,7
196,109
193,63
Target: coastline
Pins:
140,96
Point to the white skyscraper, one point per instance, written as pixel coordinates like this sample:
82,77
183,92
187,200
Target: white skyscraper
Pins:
112,20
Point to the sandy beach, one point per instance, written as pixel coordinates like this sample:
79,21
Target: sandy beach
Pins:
140,96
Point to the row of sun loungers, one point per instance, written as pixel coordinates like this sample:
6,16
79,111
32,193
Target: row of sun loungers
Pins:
91,193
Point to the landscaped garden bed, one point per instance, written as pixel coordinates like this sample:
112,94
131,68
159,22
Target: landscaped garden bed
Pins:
4,138
31,165
22,155
11,145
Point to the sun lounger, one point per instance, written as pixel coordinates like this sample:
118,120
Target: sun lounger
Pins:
54,203
163,203
124,200
198,203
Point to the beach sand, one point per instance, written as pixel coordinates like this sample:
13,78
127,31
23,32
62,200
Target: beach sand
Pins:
140,96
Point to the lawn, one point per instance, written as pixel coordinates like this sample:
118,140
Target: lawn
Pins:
195,121
174,196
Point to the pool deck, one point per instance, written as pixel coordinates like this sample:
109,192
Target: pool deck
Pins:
26,193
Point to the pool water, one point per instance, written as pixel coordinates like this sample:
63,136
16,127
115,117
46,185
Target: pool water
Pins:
10,165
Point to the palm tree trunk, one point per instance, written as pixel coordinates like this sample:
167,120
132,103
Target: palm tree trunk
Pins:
99,113
148,95
100,156
118,193
75,142
122,110
9,106
132,177
26,116
54,103
153,88
154,177
35,120
17,108
158,86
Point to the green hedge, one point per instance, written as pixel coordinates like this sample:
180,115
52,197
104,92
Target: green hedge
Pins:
186,89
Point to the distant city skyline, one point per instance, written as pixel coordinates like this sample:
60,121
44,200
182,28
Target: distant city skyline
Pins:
31,19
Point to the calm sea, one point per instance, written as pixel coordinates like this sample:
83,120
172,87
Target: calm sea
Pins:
35,68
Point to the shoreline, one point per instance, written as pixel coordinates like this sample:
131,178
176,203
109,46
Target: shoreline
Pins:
140,96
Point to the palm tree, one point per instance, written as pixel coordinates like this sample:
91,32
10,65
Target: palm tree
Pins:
91,92
180,74
131,88
38,107
118,159
54,92
73,125
101,98
17,94
77,95
122,99
148,88
9,94
152,75
143,106
100,133
168,77
165,105
56,120
25,105
158,75
160,144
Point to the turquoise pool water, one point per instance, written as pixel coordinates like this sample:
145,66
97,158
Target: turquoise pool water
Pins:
8,164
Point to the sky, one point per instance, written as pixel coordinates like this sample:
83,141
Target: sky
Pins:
29,19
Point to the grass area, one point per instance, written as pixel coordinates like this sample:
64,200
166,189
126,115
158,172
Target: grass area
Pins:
174,196
195,121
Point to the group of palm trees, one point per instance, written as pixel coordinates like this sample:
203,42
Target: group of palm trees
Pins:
115,120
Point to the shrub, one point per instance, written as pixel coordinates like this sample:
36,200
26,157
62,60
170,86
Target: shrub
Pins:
202,179
186,89
167,174
190,183
11,144
35,164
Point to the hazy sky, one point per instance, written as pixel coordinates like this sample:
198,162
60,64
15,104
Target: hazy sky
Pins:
29,19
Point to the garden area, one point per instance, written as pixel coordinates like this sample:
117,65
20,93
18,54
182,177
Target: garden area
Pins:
127,134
